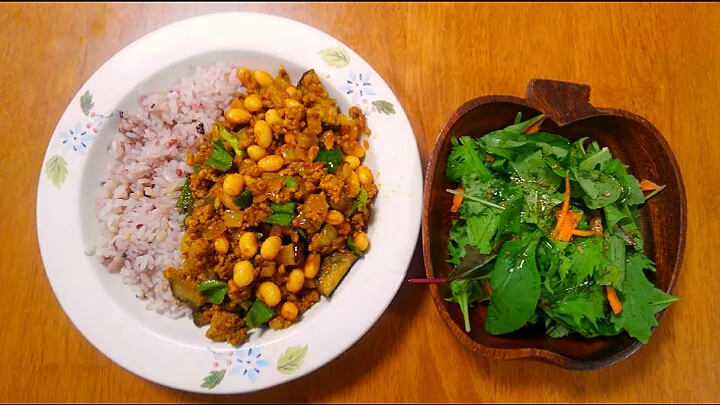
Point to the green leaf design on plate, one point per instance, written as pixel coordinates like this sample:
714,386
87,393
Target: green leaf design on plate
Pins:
56,169
213,379
86,103
384,107
292,359
336,57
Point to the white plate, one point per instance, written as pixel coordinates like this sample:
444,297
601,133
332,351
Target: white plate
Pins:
174,352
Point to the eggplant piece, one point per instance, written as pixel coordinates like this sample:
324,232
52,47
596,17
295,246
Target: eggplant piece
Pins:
199,318
333,269
311,77
184,290
343,205
292,254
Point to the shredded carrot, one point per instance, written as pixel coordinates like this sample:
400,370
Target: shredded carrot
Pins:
490,158
579,232
613,299
457,199
647,185
534,127
572,219
565,208
488,289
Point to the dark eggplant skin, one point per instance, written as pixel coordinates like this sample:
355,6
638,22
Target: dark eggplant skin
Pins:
332,270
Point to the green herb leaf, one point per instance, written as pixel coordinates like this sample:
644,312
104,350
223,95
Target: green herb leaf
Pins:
600,189
290,182
510,218
531,168
600,158
457,241
219,159
518,118
331,158
353,247
515,287
641,301
213,290
464,160
286,208
466,293
522,126
581,308
244,199
186,200
586,258
259,314
280,218
56,170
358,202
230,138
614,269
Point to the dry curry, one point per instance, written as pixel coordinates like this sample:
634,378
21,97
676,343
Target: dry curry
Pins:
277,207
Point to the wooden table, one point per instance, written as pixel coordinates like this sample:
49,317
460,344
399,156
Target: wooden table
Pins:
661,61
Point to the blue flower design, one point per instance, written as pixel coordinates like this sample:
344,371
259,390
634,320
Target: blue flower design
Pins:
358,85
76,139
249,363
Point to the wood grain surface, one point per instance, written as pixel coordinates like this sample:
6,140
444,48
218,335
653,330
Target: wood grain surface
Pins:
660,61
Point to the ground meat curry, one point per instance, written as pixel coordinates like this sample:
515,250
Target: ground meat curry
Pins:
277,207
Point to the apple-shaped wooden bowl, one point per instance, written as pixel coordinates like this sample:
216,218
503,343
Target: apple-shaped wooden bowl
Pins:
630,138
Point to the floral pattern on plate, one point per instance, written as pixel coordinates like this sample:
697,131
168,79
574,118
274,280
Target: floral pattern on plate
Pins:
357,85
250,363
76,139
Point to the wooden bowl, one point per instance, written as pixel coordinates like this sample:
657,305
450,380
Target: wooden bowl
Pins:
630,138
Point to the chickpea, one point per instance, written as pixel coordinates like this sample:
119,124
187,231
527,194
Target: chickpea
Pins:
295,281
253,103
249,180
247,79
256,152
312,153
289,311
270,247
334,217
361,241
248,245
263,78
293,92
352,188
237,116
312,265
365,175
290,103
353,161
269,293
263,133
233,184
221,244
243,273
271,163
358,151
272,117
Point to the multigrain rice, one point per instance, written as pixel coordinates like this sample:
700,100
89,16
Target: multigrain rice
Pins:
140,225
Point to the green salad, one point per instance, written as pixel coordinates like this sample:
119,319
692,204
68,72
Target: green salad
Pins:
549,232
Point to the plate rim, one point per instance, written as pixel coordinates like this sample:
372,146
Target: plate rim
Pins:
412,235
